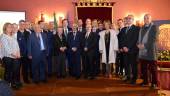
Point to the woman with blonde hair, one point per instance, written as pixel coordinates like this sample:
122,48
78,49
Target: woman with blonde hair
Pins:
11,55
108,45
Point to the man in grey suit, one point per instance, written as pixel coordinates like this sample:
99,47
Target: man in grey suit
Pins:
147,40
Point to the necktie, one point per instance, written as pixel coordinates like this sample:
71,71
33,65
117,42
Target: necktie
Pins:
74,34
87,35
127,29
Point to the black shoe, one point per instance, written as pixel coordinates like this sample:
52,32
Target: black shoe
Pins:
19,84
44,81
143,84
126,80
27,81
15,87
133,82
49,75
85,77
78,77
36,82
91,78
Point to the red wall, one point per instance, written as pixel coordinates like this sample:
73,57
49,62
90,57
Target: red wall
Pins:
159,9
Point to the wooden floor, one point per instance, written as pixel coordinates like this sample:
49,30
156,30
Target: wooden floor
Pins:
97,87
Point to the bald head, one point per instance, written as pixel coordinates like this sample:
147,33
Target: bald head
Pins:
147,19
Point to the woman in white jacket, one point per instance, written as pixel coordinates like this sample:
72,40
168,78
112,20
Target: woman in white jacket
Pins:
108,45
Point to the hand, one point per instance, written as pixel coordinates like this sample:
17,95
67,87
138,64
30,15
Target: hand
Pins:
30,57
125,49
121,50
101,51
62,49
85,49
14,55
74,49
141,46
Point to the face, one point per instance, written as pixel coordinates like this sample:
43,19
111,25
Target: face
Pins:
60,31
37,28
74,27
14,28
130,20
46,26
107,25
80,22
88,21
100,26
88,28
9,29
42,25
22,25
27,25
147,19
51,26
95,23
65,23
120,23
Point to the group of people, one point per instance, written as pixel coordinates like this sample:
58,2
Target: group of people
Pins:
85,50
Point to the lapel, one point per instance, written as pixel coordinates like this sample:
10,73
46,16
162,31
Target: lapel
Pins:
130,30
37,39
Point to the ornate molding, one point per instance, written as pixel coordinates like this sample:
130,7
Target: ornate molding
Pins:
93,3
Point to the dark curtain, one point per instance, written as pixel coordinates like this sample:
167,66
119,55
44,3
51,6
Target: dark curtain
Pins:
100,13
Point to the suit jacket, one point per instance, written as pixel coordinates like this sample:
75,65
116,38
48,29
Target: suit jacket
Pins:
69,30
59,43
74,42
83,30
89,42
22,39
34,48
130,38
50,40
151,44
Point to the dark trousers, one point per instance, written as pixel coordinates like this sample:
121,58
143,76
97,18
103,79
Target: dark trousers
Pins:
39,68
61,64
119,64
12,70
97,62
103,68
148,71
75,64
25,63
131,66
49,62
89,66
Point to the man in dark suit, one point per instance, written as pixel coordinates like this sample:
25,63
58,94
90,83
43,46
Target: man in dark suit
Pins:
74,50
50,40
22,38
128,45
147,41
89,44
97,53
37,51
80,26
60,49
66,28
119,59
